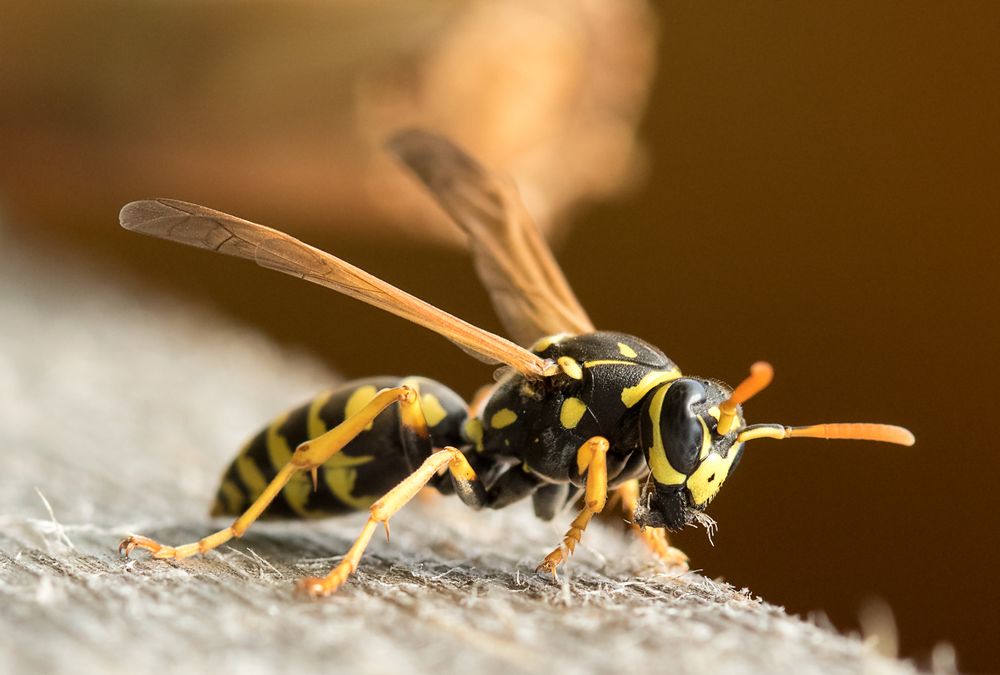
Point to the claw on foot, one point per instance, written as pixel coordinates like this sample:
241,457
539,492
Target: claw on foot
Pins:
550,564
676,558
321,587
313,587
572,537
155,549
656,540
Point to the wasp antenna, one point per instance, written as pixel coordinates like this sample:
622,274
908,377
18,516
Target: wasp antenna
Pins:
885,433
761,374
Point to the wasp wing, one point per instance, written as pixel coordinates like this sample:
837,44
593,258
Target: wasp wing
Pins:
528,290
216,231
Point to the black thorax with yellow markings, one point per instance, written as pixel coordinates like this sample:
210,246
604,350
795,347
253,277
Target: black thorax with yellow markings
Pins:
605,377
621,388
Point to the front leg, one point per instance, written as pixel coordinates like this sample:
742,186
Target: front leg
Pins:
654,537
591,458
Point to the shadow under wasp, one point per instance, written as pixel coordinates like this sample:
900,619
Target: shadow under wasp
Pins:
579,413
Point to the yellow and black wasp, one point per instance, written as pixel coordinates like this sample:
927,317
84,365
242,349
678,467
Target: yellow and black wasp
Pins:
579,413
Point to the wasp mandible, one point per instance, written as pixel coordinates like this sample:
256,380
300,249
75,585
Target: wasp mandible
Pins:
579,413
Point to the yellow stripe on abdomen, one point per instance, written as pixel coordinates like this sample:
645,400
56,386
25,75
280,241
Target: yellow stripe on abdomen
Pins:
296,493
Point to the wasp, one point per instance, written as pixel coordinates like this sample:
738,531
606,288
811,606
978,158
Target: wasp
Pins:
578,414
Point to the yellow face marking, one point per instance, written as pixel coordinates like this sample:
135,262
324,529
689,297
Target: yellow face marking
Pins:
706,480
663,472
632,395
571,412
503,418
473,429
361,397
544,343
232,496
316,425
570,367
714,412
626,351
706,440
434,412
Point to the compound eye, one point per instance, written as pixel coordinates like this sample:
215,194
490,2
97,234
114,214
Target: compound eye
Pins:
682,430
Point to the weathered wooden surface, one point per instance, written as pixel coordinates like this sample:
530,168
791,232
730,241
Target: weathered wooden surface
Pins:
121,411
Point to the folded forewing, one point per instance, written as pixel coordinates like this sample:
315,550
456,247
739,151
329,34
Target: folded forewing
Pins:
216,231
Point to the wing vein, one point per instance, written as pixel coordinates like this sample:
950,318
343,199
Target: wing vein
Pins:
205,228
527,288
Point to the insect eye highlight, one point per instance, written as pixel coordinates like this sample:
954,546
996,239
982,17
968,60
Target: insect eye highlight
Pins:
685,434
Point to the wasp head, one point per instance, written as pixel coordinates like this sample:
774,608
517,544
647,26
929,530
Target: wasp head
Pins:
689,459
693,433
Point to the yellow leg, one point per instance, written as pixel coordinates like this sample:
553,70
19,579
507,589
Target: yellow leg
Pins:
384,509
592,459
307,456
654,537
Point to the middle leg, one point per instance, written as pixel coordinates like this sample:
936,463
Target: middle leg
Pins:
591,458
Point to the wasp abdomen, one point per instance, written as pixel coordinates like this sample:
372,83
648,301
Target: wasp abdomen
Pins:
367,467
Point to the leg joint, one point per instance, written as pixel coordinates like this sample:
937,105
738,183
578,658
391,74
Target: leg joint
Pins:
405,393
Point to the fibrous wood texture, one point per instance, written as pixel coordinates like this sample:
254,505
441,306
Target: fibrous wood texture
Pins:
118,410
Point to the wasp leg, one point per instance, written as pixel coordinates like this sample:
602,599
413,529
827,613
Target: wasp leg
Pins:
307,457
384,509
654,537
592,459
509,487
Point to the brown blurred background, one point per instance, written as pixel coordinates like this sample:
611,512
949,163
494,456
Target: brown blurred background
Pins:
817,185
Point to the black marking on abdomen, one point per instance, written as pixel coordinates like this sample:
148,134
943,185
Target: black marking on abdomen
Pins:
366,468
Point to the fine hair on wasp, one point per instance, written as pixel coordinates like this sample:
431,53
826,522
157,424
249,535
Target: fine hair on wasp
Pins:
574,415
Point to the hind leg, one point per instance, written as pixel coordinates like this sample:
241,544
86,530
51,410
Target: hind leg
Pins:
307,457
510,487
385,508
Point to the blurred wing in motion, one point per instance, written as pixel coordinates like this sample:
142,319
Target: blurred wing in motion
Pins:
529,291
216,231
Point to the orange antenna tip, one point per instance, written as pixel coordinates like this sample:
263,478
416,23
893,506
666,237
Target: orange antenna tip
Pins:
761,374
885,433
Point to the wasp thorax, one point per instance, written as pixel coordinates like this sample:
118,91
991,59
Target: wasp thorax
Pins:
688,459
